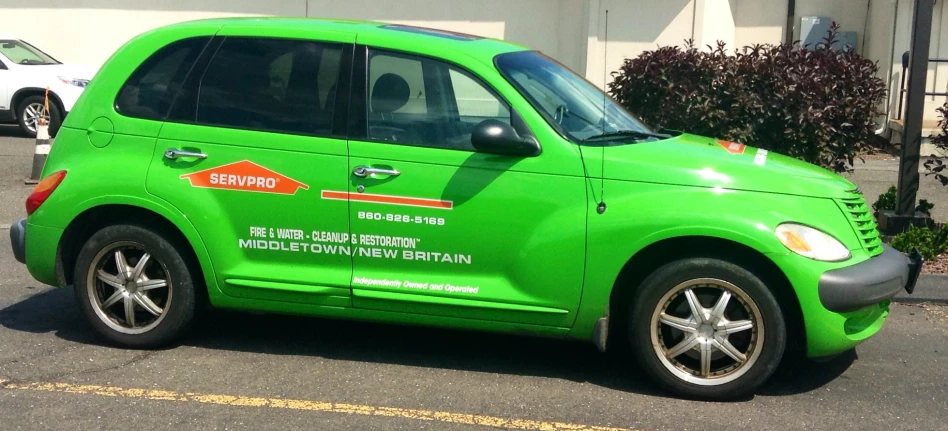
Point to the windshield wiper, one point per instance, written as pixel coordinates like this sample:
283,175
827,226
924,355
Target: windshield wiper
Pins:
626,134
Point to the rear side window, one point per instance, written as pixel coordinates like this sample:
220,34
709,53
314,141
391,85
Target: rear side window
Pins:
148,93
271,85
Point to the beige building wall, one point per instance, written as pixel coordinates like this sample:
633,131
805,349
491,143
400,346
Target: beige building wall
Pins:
937,73
759,21
552,26
634,27
889,37
572,31
89,31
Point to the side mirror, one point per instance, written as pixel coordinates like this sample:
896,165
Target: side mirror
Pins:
496,137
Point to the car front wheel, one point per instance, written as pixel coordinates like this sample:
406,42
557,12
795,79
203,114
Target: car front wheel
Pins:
707,328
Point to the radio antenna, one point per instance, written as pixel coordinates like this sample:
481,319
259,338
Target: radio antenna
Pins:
601,208
605,72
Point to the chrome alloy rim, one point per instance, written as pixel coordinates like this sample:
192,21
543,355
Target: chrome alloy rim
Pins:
130,289
707,331
32,114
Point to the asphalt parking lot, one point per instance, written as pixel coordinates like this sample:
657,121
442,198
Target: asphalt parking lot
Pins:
248,371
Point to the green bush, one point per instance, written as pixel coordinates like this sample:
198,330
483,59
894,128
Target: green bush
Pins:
935,166
819,106
930,242
886,200
940,138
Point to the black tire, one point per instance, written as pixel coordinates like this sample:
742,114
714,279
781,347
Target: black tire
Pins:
113,325
666,288
55,115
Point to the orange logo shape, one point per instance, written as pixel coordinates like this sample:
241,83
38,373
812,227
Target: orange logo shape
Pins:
732,147
388,199
245,176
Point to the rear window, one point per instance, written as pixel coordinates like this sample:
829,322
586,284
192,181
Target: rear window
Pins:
148,93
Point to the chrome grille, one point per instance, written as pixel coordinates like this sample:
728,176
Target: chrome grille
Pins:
860,215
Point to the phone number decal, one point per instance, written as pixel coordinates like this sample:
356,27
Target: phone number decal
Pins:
401,218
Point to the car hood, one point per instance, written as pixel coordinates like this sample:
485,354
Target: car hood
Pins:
74,71
691,160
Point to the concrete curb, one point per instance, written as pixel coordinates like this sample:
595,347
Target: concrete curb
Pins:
930,288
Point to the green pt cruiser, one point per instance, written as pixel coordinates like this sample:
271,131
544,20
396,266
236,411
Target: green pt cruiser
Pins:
389,173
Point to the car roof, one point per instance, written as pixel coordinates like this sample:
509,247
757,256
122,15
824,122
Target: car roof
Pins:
7,37
478,47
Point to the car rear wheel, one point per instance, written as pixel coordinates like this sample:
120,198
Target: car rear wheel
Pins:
134,287
32,109
706,328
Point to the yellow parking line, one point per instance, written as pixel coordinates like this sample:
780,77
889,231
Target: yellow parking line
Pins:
306,405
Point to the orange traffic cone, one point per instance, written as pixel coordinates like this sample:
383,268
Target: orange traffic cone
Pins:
41,151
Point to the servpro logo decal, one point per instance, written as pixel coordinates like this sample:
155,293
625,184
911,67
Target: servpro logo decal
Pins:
245,176
732,147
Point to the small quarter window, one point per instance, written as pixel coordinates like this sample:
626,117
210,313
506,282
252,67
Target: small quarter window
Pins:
271,85
475,103
148,93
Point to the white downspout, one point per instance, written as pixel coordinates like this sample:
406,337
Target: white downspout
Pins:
888,76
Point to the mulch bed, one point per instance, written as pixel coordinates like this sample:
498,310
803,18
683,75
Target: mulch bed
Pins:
879,149
937,266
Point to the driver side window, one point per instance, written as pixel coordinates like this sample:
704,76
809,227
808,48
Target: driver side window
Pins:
418,101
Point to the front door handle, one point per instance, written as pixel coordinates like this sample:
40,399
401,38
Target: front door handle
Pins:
173,153
365,171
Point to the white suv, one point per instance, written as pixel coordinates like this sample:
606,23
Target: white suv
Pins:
25,73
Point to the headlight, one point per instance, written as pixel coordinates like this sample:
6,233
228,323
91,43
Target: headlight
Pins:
73,81
811,243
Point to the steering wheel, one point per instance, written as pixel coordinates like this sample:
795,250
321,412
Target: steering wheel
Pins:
560,113
387,133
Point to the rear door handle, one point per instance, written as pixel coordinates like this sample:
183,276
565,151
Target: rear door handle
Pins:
365,171
173,153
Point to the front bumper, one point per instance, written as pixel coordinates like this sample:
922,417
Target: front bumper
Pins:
18,239
870,282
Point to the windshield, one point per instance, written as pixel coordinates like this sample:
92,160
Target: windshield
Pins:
21,52
572,105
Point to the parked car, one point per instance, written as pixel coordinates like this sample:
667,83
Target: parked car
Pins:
25,74
414,176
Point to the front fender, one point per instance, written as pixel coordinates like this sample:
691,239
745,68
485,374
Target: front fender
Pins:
641,214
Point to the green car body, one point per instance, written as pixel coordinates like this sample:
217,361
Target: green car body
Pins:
542,244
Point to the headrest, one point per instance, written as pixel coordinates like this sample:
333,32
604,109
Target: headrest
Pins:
390,93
